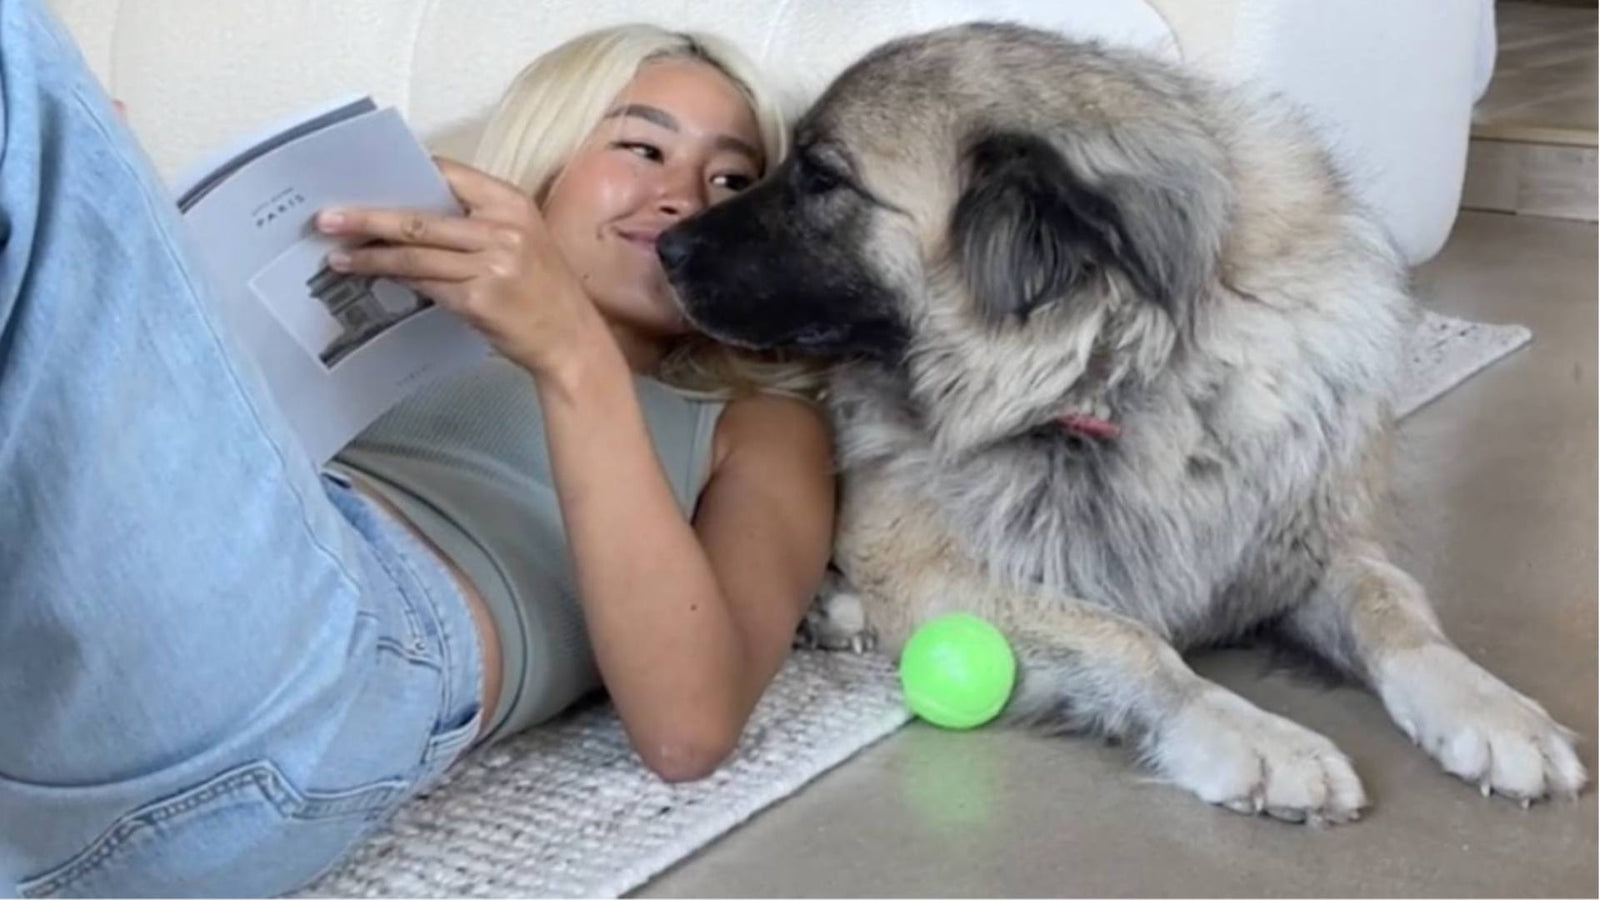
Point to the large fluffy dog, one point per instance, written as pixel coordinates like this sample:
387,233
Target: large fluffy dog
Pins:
1118,349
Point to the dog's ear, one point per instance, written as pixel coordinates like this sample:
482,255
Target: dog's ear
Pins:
1028,229
1024,231
1162,245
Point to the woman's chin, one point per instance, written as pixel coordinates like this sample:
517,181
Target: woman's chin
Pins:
651,314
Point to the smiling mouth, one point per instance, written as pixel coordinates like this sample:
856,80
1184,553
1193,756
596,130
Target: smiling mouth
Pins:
643,239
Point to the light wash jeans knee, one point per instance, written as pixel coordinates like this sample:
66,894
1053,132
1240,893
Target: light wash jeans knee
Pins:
218,669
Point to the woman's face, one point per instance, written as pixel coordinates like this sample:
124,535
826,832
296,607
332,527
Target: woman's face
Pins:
679,138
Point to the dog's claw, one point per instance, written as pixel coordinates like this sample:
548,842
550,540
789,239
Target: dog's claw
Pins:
836,621
1253,762
1480,729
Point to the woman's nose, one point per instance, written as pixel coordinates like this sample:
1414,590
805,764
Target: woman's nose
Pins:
682,193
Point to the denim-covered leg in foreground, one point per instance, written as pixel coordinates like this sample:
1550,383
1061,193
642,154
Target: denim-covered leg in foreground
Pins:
216,669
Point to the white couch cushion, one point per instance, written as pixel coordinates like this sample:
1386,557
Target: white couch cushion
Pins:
1390,82
196,73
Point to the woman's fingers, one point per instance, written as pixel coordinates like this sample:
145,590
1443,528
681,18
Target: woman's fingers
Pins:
489,198
496,267
446,293
405,262
475,188
406,227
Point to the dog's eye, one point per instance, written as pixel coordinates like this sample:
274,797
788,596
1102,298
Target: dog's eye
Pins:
732,182
814,178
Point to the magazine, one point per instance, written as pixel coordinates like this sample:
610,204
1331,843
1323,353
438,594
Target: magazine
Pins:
337,350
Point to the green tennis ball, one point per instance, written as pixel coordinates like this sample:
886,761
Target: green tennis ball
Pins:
957,671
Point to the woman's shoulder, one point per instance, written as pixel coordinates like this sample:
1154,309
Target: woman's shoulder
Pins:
776,426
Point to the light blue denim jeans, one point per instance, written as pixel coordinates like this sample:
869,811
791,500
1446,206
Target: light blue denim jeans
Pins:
218,668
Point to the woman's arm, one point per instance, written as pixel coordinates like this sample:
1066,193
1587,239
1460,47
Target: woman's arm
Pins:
689,622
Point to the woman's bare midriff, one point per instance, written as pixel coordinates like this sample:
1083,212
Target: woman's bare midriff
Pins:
488,636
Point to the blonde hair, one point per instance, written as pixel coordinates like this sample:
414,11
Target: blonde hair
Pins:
551,108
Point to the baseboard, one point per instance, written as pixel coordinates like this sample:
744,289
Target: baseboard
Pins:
1527,177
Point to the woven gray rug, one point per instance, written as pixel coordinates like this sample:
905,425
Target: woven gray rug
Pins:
566,811
1446,351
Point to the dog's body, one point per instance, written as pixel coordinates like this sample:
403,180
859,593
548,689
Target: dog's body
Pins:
1119,352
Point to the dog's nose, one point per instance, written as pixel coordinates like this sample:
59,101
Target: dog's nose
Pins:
672,248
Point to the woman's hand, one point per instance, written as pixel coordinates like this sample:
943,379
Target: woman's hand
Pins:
497,267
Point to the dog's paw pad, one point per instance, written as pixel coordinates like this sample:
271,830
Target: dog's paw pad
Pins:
836,621
1237,756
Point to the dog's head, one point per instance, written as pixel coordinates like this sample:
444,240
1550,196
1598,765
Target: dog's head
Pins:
1019,225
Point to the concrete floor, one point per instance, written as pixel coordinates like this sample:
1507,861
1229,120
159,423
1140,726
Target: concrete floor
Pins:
1498,486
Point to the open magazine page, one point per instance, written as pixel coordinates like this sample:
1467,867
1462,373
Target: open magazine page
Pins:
337,350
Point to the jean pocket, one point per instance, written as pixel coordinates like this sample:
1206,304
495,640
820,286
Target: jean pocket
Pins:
446,746
247,832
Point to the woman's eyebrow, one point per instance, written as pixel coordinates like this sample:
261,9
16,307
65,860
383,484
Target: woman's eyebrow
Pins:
652,114
658,116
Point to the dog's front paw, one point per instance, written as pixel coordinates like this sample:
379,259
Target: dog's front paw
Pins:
1478,728
1233,754
836,620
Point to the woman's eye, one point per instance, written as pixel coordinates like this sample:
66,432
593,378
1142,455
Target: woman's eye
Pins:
641,150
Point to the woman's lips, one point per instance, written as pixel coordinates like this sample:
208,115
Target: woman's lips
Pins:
643,238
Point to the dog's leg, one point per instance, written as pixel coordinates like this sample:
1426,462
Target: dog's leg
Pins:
1373,620
1084,668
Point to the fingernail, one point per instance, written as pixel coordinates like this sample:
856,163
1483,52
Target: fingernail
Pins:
329,220
338,259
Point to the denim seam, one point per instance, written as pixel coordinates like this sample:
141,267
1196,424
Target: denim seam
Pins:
436,746
263,776
447,652
447,657
418,647
407,652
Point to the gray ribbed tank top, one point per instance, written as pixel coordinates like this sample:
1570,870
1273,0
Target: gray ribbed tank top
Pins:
465,459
